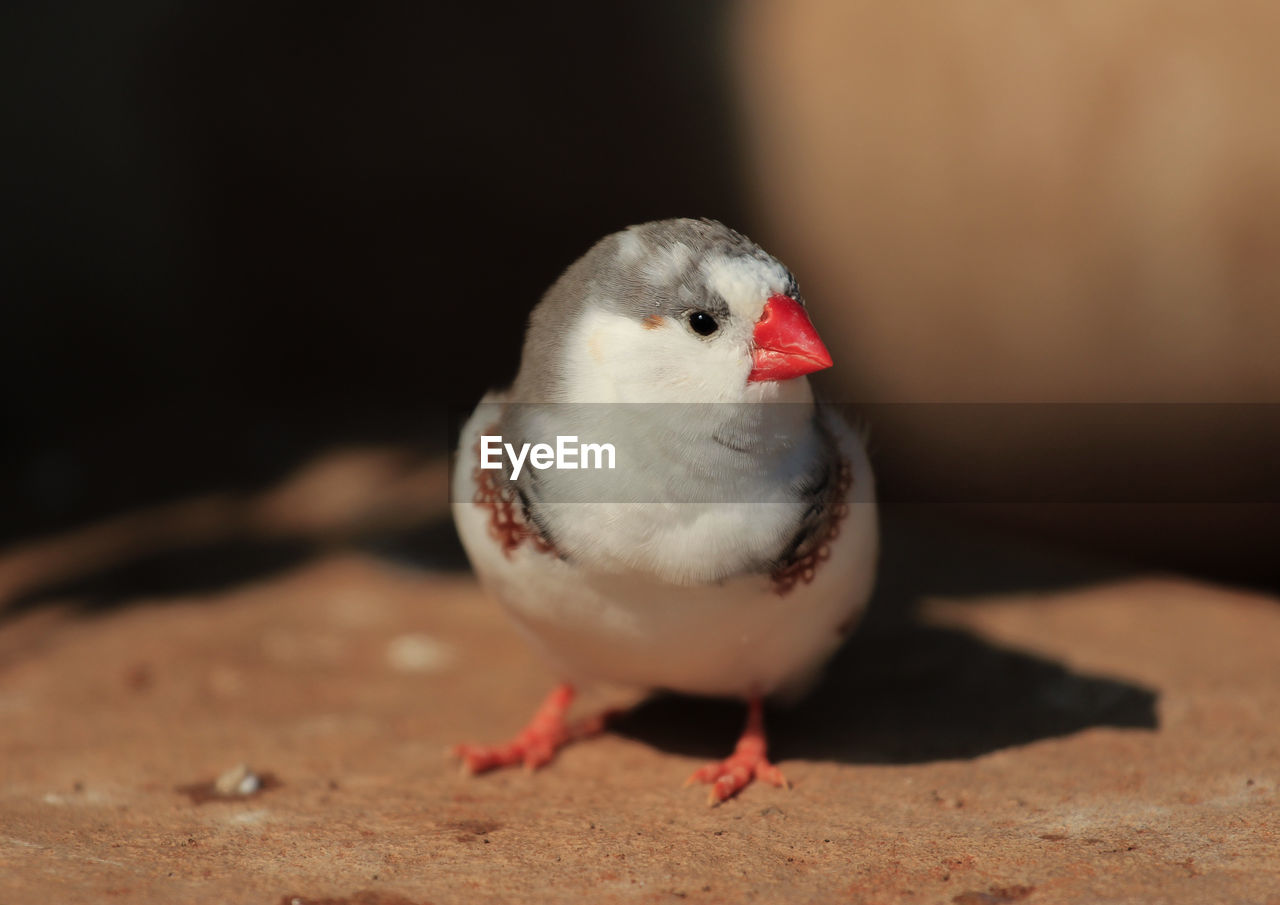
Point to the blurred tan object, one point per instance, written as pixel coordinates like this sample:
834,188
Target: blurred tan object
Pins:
1010,202
1013,202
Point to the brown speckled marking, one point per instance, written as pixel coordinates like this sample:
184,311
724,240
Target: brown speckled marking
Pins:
507,523
802,568
653,321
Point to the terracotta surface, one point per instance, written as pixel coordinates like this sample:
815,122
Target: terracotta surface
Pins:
1118,741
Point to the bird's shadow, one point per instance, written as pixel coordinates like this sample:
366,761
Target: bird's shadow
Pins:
904,691
923,694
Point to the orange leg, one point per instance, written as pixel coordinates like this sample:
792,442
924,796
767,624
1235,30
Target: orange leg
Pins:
538,742
748,761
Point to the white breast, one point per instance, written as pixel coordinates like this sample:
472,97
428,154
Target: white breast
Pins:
733,638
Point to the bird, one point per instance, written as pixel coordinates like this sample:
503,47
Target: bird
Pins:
731,545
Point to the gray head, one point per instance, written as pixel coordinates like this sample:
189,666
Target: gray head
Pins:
666,311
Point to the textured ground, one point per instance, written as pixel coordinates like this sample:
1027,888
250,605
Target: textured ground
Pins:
1112,739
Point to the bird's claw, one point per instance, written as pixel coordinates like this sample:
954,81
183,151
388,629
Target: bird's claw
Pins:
538,742
533,751
733,774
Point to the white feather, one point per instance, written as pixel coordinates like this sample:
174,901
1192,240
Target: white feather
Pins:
745,283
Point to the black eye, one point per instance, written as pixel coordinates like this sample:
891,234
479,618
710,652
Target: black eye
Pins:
702,323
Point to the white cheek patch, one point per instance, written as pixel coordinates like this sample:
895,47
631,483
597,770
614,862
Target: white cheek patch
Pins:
602,352
613,358
745,283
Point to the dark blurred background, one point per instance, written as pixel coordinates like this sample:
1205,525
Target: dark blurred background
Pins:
235,231
238,235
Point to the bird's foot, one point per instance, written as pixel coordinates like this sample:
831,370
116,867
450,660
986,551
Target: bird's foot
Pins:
748,762
537,743
734,773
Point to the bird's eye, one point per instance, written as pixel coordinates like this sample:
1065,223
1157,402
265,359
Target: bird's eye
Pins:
702,323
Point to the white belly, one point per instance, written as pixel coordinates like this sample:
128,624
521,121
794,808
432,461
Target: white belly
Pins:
734,638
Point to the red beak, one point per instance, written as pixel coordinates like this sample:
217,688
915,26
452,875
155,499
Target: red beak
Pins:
786,345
